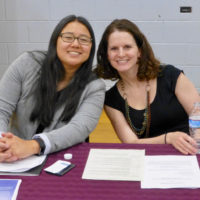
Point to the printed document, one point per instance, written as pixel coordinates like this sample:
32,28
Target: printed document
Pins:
114,164
171,172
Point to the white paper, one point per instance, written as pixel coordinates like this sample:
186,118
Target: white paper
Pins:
171,172
22,165
114,164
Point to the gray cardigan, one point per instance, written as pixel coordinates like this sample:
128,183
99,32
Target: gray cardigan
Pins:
16,104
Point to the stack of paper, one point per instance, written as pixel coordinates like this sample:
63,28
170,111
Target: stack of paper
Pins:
22,165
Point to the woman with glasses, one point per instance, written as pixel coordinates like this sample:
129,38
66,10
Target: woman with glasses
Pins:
51,100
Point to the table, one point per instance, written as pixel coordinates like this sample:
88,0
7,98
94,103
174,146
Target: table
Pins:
72,187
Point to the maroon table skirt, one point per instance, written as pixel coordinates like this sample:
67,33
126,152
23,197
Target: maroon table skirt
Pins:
72,187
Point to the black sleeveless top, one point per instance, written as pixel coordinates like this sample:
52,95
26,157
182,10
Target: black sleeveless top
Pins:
167,114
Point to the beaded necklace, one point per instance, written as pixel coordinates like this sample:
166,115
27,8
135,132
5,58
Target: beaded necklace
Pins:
147,112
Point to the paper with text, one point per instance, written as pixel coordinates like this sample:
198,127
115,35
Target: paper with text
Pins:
171,172
114,164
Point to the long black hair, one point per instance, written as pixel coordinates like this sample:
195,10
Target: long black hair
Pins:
52,72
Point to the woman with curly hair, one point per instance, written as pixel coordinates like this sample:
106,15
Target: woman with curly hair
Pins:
150,101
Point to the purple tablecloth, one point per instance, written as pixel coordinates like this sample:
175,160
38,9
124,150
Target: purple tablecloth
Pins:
72,187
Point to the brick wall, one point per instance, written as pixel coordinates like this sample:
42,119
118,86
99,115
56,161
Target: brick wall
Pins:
175,37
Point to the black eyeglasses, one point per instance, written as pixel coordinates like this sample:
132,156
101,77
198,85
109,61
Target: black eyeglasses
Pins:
69,37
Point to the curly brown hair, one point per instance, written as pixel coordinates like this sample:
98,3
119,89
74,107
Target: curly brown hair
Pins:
149,66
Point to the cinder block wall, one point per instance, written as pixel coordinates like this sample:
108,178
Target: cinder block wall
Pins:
175,36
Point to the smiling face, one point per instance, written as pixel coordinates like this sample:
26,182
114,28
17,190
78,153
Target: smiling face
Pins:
73,55
123,52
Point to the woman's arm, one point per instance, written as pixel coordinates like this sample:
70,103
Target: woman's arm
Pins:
186,93
179,140
13,86
11,93
10,90
82,123
67,135
124,132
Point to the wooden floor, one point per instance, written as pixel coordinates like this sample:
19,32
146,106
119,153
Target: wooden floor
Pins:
104,132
